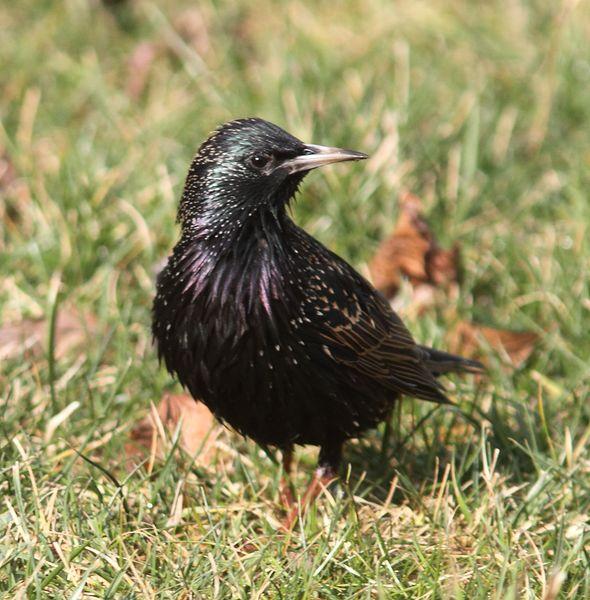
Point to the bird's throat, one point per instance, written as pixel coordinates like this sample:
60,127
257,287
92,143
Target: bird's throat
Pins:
241,263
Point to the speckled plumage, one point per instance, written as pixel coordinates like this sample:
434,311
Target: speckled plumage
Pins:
278,336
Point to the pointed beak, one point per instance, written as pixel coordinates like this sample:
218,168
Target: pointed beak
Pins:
315,156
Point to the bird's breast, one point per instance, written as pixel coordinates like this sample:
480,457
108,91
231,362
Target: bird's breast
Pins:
214,315
244,334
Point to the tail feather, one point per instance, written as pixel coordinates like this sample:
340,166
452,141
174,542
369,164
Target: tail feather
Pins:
440,362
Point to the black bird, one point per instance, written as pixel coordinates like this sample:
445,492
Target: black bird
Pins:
281,338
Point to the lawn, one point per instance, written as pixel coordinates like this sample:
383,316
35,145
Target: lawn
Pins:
480,109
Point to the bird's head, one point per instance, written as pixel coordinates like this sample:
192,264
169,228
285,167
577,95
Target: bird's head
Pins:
247,166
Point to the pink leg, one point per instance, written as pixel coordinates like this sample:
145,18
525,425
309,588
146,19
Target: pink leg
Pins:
286,494
322,476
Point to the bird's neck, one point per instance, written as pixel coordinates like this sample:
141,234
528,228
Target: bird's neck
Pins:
246,266
238,248
243,251
224,216
236,235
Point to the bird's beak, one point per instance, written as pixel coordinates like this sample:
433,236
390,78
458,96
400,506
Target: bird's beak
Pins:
315,156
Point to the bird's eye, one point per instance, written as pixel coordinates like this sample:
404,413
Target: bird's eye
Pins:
259,161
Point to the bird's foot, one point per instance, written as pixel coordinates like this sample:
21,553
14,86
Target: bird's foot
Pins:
322,477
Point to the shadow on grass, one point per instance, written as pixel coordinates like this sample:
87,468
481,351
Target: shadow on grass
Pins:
419,457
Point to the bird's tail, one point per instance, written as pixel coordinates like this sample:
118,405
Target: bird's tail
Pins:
439,362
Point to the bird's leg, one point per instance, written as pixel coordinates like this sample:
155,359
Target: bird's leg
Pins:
326,472
329,462
286,493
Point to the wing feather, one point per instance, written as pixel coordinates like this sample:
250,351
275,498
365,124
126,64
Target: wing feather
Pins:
360,331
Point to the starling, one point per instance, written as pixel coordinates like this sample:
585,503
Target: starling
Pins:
281,338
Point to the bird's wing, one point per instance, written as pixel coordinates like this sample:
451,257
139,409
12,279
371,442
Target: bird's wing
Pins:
359,330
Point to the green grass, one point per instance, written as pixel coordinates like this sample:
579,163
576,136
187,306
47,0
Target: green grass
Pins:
482,109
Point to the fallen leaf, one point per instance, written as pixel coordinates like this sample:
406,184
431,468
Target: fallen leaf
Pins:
412,252
515,347
138,68
197,431
73,329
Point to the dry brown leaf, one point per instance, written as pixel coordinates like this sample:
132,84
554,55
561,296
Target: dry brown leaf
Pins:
515,346
412,251
73,329
139,66
197,430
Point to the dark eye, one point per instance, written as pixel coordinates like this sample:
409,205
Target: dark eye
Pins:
259,161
